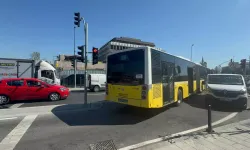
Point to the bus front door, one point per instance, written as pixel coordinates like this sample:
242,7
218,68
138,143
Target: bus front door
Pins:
167,82
190,80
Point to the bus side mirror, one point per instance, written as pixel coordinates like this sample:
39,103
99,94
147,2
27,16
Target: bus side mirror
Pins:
178,69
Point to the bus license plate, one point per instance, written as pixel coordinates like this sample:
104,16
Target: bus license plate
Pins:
122,100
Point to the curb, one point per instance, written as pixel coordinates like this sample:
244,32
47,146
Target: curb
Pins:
142,144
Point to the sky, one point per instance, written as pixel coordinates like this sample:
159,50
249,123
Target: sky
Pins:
219,29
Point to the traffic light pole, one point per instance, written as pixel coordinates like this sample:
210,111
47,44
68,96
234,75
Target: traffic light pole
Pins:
86,61
75,56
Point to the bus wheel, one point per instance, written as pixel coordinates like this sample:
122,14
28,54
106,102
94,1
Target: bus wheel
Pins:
180,98
96,88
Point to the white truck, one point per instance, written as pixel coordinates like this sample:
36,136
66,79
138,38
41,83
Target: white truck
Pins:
27,68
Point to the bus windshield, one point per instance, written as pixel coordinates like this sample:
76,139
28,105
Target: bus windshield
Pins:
225,79
126,68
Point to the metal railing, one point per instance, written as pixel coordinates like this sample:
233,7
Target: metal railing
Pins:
67,77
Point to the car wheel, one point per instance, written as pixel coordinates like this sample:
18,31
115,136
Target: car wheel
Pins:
180,98
54,97
96,88
4,99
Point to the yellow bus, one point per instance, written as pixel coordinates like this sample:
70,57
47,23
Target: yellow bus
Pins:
151,78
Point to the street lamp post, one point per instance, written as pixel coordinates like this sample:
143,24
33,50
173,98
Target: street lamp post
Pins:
192,51
86,61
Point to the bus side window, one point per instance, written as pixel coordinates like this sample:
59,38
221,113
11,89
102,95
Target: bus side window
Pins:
178,71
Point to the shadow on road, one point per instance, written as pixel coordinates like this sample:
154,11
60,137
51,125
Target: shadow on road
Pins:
201,101
107,114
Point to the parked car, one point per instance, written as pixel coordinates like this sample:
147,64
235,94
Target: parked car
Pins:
229,88
13,89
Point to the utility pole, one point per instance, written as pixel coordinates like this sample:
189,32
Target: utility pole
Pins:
192,51
86,61
248,71
75,56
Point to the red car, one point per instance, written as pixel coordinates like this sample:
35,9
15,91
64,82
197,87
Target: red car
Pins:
29,89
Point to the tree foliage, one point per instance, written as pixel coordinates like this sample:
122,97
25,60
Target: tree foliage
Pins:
35,56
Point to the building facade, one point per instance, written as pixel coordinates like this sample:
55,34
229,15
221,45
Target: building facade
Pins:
64,64
120,43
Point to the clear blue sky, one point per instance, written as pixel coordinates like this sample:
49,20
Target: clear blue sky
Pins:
219,29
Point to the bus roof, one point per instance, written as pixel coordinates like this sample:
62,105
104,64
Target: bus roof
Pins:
160,50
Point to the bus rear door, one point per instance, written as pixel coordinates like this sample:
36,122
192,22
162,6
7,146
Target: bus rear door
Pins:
167,82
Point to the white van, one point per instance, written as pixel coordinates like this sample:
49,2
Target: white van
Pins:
96,82
228,88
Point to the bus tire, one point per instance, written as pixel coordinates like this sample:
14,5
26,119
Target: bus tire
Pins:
96,88
179,97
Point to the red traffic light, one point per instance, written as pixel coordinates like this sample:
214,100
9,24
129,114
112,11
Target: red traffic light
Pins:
95,50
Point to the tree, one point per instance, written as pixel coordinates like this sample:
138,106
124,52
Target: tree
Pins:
203,63
35,56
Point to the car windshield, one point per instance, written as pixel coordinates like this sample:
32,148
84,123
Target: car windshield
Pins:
225,79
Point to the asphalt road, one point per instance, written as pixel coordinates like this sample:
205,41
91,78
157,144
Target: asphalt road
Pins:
74,98
124,125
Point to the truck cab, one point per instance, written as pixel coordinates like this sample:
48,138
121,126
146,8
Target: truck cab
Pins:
46,72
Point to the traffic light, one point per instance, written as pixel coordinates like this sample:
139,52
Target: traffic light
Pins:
72,63
81,53
243,63
77,19
94,55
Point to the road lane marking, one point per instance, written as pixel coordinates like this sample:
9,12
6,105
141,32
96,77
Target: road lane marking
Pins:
10,118
230,116
16,105
11,140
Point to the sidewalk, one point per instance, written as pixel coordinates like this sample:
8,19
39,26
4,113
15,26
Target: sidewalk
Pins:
229,137
76,89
